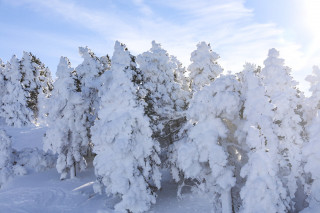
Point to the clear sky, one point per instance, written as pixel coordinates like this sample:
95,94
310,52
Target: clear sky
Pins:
239,31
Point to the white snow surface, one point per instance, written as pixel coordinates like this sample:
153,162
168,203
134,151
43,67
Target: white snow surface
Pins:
43,191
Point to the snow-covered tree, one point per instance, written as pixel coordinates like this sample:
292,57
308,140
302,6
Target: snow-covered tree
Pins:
6,158
165,98
263,190
66,135
202,153
312,158
180,76
2,80
281,89
127,163
313,102
204,67
88,73
14,102
36,81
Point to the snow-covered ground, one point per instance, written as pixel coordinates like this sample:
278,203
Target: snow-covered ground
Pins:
44,192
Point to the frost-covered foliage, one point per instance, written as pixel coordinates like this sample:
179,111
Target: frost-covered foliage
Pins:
262,169
204,67
312,158
238,139
6,158
311,149
127,163
88,73
10,164
2,81
313,103
14,102
36,81
281,89
27,83
67,136
34,159
201,155
180,76
165,98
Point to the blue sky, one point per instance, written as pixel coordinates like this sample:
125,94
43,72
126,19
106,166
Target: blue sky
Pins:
239,31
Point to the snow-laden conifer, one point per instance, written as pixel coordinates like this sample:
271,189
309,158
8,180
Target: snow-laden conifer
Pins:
263,190
313,102
204,67
312,158
88,73
14,102
165,98
66,135
36,81
281,89
202,154
312,147
127,163
2,80
6,158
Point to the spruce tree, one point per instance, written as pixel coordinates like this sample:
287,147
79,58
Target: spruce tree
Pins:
311,149
6,158
36,81
88,74
66,135
313,102
166,100
262,169
283,93
202,153
311,168
127,163
14,101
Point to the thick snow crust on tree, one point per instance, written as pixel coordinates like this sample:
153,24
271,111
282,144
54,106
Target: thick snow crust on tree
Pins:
262,169
313,102
67,135
14,102
126,163
312,159
200,155
164,95
281,89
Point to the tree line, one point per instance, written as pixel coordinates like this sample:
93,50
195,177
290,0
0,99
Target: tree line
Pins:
249,141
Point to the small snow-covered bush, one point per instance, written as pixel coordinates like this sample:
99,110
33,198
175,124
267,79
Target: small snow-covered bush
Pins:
35,159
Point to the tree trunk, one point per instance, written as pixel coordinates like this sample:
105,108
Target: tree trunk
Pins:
226,201
73,170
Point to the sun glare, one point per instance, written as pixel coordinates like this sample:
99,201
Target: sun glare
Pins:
312,17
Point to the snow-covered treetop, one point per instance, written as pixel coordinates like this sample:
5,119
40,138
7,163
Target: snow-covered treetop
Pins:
64,68
158,70
314,81
275,73
1,64
120,58
89,69
273,53
204,67
12,69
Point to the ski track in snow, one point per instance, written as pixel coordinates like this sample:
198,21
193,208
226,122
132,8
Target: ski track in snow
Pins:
44,192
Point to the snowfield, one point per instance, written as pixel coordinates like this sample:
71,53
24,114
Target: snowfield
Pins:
44,192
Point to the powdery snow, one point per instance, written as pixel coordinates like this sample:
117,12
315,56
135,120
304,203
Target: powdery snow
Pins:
38,192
